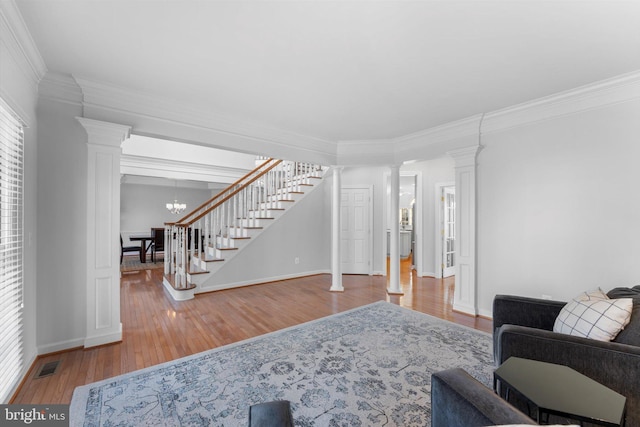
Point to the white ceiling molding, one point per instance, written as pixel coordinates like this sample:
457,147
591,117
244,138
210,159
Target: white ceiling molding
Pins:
100,96
596,95
60,88
360,153
164,182
16,38
438,141
171,169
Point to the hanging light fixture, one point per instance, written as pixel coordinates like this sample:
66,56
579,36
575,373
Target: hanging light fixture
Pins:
175,207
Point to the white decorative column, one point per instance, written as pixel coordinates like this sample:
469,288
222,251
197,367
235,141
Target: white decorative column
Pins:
394,232
103,231
336,257
464,299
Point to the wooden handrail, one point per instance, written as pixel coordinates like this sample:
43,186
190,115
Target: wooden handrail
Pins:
181,220
228,196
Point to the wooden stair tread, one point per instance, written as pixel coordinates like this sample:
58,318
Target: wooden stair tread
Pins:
227,249
196,270
171,278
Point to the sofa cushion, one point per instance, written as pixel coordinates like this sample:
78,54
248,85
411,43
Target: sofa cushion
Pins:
589,315
631,333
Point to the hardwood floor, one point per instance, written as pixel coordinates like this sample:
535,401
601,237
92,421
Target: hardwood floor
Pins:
157,329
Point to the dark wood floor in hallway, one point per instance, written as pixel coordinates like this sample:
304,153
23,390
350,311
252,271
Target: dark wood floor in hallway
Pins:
157,329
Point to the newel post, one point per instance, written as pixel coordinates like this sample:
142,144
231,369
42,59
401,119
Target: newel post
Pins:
103,323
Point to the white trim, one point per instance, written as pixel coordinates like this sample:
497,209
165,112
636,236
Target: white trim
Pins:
618,89
369,188
108,338
175,169
60,88
438,222
177,295
131,104
262,280
60,346
15,35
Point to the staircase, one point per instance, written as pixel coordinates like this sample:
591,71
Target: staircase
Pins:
199,244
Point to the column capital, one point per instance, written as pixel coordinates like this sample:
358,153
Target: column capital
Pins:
104,133
465,156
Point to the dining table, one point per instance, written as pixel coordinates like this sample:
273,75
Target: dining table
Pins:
144,247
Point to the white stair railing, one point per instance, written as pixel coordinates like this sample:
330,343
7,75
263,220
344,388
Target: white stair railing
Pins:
210,229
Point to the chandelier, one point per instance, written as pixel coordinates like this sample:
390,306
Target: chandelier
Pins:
175,207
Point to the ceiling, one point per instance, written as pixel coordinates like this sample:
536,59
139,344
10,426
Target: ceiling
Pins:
340,70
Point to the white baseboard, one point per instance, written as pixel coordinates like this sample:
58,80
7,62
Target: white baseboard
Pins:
109,338
60,346
259,281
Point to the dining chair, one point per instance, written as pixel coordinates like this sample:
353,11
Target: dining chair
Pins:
124,249
157,245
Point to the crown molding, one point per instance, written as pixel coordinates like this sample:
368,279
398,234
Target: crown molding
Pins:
365,152
15,35
599,94
60,88
174,169
110,97
104,133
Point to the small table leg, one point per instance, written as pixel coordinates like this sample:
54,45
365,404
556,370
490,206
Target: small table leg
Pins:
143,251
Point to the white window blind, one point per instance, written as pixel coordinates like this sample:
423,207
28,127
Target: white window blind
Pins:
11,251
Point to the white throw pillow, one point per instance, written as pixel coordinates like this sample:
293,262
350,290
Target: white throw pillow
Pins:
595,294
592,316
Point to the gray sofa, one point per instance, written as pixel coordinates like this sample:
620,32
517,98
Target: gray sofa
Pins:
458,399
523,327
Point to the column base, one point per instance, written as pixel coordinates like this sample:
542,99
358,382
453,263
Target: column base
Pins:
336,289
394,291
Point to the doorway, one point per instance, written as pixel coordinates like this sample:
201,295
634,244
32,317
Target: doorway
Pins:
410,221
445,222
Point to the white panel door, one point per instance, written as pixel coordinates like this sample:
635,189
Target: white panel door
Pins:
355,236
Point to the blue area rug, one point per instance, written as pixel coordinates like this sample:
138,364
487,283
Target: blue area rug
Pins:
370,366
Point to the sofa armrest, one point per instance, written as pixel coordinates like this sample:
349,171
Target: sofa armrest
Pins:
524,311
458,399
614,365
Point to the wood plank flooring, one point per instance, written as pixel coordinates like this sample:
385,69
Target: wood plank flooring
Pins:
157,329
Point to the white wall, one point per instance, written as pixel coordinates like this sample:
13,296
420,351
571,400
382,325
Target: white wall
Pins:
143,206
558,205
303,232
62,197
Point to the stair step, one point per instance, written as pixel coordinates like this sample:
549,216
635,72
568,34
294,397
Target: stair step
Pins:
171,278
194,269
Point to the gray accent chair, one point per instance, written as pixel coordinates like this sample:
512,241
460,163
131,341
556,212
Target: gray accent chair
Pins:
523,327
458,399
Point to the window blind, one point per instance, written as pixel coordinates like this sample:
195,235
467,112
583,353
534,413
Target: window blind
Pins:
11,250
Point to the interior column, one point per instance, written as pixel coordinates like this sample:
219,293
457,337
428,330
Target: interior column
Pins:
103,323
336,258
465,299
394,233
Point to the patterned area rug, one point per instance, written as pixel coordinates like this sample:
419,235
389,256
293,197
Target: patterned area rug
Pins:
370,366
132,263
